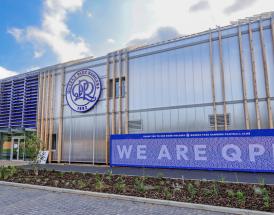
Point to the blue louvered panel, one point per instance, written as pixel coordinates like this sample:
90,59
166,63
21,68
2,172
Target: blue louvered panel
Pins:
31,96
5,103
17,103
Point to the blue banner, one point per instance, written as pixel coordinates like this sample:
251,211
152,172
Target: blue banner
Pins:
238,150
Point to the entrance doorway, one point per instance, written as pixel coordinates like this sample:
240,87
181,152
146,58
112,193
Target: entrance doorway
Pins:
17,151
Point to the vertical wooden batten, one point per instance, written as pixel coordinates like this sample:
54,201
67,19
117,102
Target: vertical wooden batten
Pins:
222,77
107,111
258,118
247,120
266,77
113,121
51,117
212,81
43,111
61,112
120,91
127,91
40,94
47,110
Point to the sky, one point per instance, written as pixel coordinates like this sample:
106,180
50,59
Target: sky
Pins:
38,33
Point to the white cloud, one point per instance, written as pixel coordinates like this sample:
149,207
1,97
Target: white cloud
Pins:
200,5
158,13
238,5
54,32
38,53
110,40
16,33
4,73
161,34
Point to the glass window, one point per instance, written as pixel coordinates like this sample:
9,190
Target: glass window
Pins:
110,93
117,89
54,142
123,87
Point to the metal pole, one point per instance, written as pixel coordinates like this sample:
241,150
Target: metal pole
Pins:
247,121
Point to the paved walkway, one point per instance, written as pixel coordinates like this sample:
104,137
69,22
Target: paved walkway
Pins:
12,163
245,177
22,201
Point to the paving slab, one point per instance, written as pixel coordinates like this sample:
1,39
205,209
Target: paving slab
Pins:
29,201
13,163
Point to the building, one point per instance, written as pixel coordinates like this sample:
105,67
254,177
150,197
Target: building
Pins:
220,79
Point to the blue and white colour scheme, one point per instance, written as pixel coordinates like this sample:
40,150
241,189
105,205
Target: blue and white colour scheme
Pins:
242,150
216,80
83,90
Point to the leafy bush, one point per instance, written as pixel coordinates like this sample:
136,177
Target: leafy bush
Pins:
266,197
7,172
82,184
139,184
240,197
230,193
120,185
99,183
191,190
108,175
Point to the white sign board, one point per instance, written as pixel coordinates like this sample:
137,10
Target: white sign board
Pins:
42,157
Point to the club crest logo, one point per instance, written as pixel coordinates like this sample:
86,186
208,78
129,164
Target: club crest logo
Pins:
83,90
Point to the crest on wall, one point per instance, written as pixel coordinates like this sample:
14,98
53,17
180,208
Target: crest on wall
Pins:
83,90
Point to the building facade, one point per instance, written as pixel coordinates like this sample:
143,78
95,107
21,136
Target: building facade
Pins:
220,79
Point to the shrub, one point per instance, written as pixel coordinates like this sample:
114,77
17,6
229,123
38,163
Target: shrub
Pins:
240,197
108,174
139,184
230,193
167,193
266,197
7,172
99,183
120,185
82,184
32,147
191,190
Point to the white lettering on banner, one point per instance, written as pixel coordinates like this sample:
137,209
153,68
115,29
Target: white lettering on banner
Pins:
233,156
198,151
124,151
255,150
164,153
141,152
229,152
181,151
